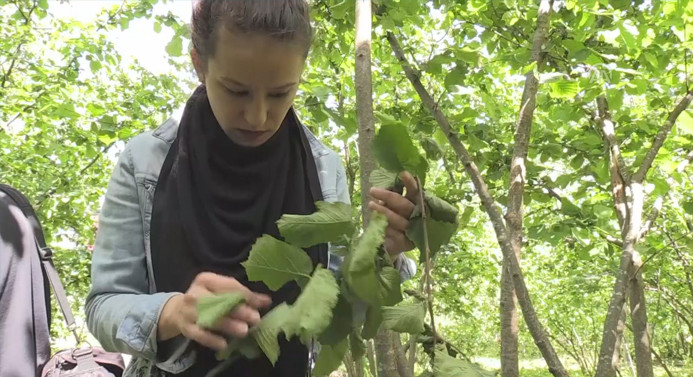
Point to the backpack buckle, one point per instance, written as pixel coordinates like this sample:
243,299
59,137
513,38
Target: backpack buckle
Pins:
46,253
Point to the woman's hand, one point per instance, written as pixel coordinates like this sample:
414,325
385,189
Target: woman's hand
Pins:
179,315
397,209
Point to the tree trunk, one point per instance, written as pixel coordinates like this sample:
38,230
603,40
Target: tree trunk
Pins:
412,353
387,366
364,101
509,325
402,365
350,365
364,114
638,315
631,230
370,353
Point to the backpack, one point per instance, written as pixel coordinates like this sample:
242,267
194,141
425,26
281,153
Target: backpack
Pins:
37,258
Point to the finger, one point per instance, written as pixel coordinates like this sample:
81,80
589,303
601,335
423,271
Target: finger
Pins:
215,283
396,246
412,187
393,200
246,314
204,337
393,219
232,327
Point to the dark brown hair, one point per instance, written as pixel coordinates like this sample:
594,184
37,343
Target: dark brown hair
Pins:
285,20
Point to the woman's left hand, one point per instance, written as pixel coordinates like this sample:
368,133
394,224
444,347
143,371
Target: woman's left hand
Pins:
397,208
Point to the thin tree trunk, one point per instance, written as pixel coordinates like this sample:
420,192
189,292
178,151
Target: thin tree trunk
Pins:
364,100
402,366
535,327
629,359
364,114
370,353
412,353
349,365
509,324
638,315
631,231
359,367
385,353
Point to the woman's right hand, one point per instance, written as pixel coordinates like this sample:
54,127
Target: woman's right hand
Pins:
179,315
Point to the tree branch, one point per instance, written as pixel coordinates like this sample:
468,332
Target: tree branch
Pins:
518,176
656,208
661,137
617,167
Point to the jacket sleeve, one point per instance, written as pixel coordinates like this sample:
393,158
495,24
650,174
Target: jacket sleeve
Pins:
120,312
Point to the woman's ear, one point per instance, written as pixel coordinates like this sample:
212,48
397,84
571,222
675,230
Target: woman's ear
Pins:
199,64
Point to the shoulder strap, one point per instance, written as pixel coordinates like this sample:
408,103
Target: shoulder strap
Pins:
45,254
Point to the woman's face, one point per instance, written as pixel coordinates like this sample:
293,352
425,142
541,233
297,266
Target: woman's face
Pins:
251,83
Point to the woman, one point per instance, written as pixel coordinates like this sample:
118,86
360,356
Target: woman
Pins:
186,201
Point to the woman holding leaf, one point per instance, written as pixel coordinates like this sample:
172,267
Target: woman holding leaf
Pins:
187,201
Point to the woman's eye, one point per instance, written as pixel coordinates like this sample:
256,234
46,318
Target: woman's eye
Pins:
237,93
279,95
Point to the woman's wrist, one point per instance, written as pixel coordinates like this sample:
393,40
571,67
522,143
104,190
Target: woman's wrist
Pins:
167,327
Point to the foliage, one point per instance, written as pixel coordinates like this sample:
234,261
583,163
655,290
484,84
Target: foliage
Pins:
76,103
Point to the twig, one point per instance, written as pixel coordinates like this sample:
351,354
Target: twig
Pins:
427,272
659,360
657,253
661,136
216,371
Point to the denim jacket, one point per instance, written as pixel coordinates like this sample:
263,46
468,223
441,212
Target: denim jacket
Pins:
123,306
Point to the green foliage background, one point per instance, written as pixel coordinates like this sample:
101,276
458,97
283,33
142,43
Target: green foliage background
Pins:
69,102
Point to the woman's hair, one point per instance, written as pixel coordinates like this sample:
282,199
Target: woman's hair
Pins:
285,20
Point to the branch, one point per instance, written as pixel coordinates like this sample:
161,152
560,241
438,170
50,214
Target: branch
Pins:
518,170
427,272
80,174
535,327
617,167
656,208
613,240
661,136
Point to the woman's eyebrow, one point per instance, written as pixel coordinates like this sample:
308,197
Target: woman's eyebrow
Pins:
236,82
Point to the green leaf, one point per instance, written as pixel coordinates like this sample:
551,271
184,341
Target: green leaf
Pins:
445,365
211,308
628,38
688,207
157,27
439,234
311,314
330,358
275,263
685,123
395,151
341,323
175,46
359,265
390,286
94,65
357,346
329,223
407,318
374,317
245,346
440,209
564,89
384,179
267,331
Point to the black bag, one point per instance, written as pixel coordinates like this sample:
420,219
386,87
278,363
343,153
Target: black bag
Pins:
86,361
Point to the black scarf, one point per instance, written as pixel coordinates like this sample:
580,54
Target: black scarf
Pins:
213,199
